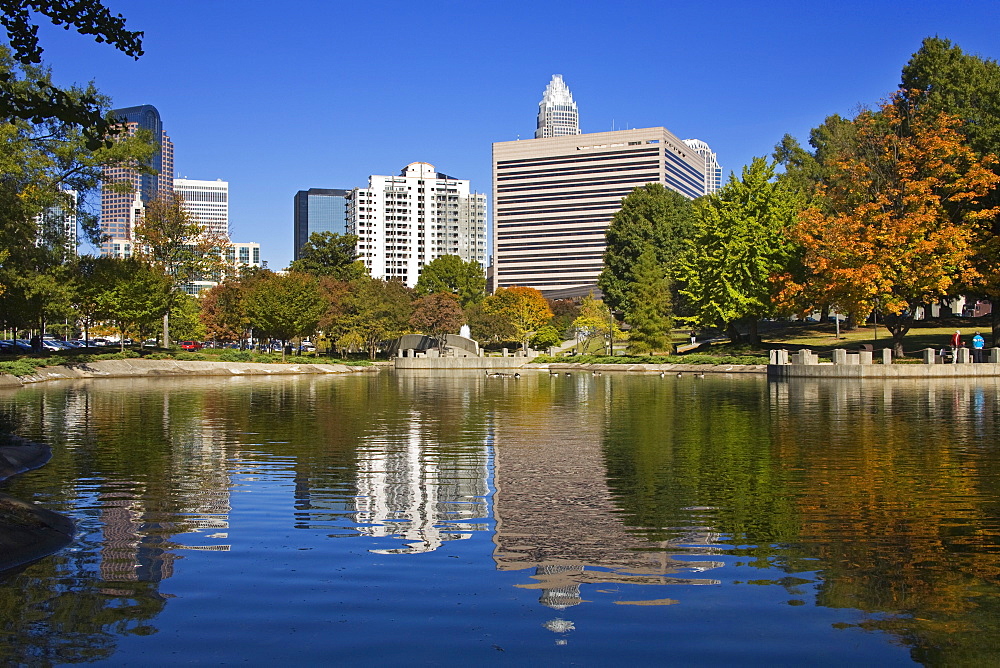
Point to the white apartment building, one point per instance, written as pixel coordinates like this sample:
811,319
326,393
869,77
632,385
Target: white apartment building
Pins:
207,202
553,199
403,222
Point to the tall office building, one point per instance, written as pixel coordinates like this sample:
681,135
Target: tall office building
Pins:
121,210
553,199
207,202
319,210
713,172
557,112
403,222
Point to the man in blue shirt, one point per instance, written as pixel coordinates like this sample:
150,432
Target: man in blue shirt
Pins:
977,347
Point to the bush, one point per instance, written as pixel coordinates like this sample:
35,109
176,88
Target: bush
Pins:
21,367
232,355
127,354
189,357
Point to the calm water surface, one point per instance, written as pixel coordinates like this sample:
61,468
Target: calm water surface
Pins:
409,519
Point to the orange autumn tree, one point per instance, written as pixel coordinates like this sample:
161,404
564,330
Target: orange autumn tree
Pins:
524,310
902,220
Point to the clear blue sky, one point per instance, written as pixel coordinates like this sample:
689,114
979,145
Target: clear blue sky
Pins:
280,97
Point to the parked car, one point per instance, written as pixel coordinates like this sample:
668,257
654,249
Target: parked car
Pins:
191,345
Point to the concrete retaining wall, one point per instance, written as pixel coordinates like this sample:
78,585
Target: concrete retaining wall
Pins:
655,368
985,370
144,368
459,363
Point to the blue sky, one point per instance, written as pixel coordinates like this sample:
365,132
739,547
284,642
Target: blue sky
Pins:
276,98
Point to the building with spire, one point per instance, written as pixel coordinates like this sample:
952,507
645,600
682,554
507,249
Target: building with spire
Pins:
122,207
713,172
557,112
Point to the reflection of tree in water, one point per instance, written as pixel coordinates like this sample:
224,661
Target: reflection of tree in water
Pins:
687,456
900,500
59,611
132,458
891,491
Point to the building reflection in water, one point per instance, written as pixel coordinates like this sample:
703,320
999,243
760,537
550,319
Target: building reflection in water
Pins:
421,482
555,514
138,518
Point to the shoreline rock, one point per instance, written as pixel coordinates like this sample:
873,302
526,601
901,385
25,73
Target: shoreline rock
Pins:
144,368
29,532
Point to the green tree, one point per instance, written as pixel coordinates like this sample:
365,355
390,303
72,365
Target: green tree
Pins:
437,315
45,101
524,309
374,311
488,327
133,297
564,312
170,240
223,313
649,310
185,320
285,306
546,337
330,254
450,274
597,321
651,216
41,160
806,171
741,244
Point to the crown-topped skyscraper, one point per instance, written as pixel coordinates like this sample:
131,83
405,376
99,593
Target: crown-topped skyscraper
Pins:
557,113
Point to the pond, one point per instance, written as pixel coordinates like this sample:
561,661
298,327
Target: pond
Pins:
422,519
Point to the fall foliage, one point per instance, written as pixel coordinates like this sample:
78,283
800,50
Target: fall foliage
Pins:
903,219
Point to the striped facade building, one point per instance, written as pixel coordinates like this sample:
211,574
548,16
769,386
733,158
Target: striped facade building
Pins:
554,198
121,207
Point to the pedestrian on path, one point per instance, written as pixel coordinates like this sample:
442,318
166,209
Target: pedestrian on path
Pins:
978,342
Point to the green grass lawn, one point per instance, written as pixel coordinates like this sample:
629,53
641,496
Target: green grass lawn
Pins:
821,338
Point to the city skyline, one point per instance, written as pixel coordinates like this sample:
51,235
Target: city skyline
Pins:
291,113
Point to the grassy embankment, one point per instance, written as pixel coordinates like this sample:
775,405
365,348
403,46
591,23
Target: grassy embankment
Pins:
818,337
24,365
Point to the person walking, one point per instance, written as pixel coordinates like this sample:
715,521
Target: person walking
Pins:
956,343
978,342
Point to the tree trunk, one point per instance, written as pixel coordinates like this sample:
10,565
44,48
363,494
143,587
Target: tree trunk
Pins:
733,333
166,329
995,322
753,336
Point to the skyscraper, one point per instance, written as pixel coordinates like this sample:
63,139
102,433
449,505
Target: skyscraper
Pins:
713,172
557,113
121,210
553,199
319,210
403,222
207,202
